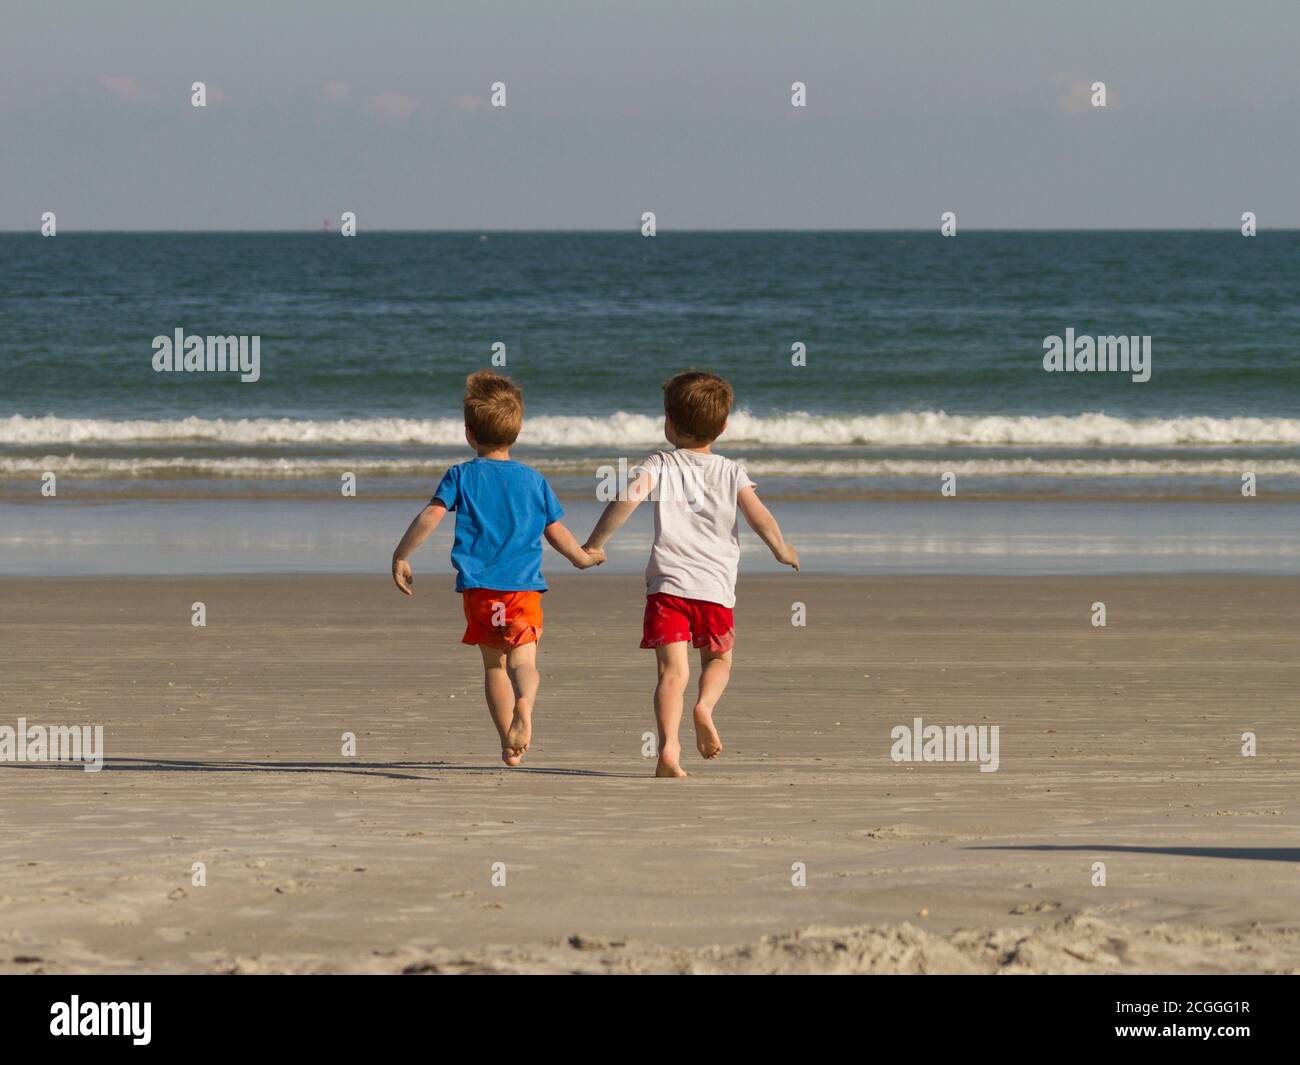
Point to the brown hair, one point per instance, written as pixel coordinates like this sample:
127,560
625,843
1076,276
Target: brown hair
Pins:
698,404
494,408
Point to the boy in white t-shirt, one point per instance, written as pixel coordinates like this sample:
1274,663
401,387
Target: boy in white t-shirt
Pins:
691,578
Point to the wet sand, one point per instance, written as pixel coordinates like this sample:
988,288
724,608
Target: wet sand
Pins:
1120,745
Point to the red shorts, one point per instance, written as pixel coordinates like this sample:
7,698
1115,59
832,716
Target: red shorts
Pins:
502,619
673,619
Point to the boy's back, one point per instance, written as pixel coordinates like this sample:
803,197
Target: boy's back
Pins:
691,578
696,550
502,508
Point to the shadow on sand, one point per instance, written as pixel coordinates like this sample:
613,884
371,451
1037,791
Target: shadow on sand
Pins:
1252,854
391,770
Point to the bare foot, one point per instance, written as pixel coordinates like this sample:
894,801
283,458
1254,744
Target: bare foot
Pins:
520,734
707,740
668,765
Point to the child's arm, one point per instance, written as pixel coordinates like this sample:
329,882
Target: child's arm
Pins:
416,533
559,537
618,511
760,519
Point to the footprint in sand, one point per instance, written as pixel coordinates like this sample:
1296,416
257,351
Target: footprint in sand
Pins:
1042,906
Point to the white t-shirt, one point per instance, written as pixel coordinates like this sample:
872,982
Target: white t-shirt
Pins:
697,545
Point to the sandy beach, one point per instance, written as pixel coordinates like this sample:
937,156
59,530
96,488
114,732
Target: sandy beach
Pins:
223,746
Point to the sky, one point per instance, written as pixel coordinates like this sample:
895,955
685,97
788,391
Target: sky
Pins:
614,108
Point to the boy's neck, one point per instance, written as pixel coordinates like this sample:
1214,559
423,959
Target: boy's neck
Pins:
497,454
699,449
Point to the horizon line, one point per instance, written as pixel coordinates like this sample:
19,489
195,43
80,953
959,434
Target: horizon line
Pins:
634,231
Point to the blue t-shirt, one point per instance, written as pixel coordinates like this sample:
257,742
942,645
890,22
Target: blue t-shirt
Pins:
502,507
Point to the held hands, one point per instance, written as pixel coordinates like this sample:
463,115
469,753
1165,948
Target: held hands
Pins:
595,556
402,576
787,556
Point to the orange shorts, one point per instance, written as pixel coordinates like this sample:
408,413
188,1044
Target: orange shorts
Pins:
502,619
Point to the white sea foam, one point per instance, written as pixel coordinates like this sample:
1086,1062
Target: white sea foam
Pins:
98,467
624,431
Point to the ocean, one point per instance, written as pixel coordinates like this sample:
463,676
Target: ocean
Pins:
870,369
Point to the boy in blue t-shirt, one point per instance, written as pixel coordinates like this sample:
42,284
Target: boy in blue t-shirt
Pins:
503,509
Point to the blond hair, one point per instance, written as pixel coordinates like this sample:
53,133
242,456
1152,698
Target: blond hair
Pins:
494,408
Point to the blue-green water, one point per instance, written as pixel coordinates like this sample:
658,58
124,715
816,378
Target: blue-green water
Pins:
924,357
388,324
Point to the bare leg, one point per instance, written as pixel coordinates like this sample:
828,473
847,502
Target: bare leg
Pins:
500,694
522,663
674,674
715,671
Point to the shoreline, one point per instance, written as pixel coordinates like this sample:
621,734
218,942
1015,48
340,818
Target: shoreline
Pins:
29,496
69,537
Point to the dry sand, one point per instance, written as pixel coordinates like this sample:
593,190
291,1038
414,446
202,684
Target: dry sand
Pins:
1119,745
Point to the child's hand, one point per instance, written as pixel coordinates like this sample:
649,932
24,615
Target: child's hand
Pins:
402,576
787,556
596,554
589,558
